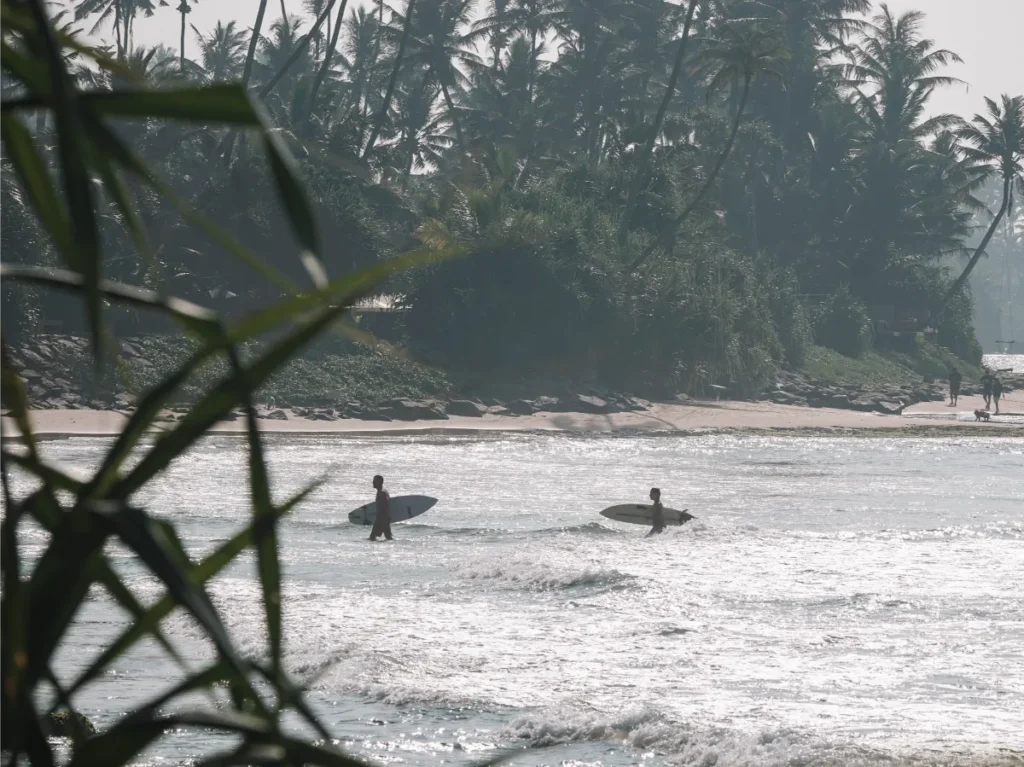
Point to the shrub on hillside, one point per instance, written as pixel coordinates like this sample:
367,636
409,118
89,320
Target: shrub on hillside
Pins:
550,292
956,328
841,322
791,318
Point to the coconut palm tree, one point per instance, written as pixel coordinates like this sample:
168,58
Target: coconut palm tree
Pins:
994,143
120,13
250,57
659,119
894,71
184,9
739,55
222,51
441,41
407,24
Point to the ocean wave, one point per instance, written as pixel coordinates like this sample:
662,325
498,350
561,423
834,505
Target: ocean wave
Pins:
680,743
534,576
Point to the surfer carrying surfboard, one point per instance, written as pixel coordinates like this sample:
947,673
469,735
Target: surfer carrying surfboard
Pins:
658,515
382,520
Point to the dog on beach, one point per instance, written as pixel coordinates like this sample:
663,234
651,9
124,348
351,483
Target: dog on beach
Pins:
981,415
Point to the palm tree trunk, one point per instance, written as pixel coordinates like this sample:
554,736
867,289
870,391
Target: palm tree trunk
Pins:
117,29
184,9
382,115
533,63
407,174
325,65
251,55
666,239
936,316
455,117
723,156
659,119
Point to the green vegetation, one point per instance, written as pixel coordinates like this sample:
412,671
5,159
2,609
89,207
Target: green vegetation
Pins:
888,368
248,697
658,196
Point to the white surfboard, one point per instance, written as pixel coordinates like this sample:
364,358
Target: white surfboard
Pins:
642,514
403,507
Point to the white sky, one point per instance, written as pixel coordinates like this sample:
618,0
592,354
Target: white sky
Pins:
986,34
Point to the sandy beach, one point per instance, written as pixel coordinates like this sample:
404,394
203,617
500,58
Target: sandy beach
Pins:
690,417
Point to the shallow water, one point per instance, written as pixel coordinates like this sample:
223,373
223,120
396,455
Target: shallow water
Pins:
838,601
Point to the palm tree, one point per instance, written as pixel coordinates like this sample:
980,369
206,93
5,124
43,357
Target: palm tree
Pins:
499,26
360,59
378,124
995,145
441,40
121,13
900,66
537,18
742,53
222,51
183,10
659,119
254,40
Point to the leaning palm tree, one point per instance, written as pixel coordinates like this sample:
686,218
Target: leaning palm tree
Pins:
739,56
645,152
378,124
995,145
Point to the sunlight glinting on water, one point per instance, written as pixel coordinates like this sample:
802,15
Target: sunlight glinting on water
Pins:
837,601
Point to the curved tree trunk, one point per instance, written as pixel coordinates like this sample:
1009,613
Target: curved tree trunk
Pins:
957,286
382,115
667,238
325,65
645,153
251,55
721,158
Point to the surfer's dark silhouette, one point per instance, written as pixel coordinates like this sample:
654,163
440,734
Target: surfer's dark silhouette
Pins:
382,519
658,510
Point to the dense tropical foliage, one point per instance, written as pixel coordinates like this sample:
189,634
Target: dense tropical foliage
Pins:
658,195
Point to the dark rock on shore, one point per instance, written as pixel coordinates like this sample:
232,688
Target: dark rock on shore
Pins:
413,410
465,407
793,388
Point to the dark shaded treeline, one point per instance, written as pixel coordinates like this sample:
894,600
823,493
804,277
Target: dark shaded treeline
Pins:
662,196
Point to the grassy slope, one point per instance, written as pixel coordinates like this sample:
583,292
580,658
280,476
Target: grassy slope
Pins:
886,367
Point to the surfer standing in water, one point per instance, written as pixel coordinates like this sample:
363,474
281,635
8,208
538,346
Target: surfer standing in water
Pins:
382,520
658,520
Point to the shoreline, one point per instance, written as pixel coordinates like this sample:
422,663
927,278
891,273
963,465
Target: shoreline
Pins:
693,418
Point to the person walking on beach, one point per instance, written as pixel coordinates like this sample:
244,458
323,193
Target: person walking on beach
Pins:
658,520
986,387
382,520
954,386
997,391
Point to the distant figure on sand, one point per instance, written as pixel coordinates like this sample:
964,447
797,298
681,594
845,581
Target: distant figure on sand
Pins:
658,525
997,391
382,521
986,387
954,386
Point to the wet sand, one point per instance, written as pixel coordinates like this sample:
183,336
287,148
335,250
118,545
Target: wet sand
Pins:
690,417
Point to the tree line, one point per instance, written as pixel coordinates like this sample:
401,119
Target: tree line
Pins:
661,195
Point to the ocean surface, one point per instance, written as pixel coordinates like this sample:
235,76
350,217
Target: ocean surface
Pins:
838,601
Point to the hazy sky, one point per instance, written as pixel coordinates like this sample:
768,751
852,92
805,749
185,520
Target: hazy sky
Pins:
986,34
